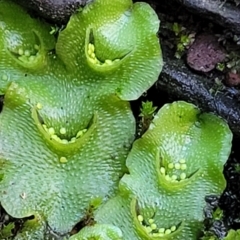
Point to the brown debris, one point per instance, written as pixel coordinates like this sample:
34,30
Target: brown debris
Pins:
232,79
205,53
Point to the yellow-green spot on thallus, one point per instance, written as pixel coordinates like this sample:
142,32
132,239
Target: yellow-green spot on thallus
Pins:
63,160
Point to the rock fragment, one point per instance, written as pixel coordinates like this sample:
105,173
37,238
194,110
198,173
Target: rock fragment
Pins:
205,53
232,79
57,11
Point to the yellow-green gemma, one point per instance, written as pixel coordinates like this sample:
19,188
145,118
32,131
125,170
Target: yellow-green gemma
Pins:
174,177
64,141
39,106
63,130
51,131
63,159
91,47
183,166
151,220
20,51
173,228
153,226
156,235
94,61
161,230
162,170
45,127
27,53
140,218
167,177
183,176
182,161
56,138
170,165
168,231
32,58
148,229
80,133
93,55
177,165
36,47
89,52
108,62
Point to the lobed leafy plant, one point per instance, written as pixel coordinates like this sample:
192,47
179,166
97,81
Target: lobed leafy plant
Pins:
175,164
66,130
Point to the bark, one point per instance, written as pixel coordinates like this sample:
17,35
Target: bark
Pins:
225,14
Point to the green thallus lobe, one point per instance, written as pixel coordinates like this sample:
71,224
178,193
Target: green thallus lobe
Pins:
161,194
74,126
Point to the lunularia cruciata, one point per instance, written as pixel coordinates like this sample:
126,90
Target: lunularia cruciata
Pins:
66,130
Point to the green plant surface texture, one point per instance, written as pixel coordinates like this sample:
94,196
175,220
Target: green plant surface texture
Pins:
58,179
111,46
24,45
117,40
172,168
233,235
98,232
65,128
